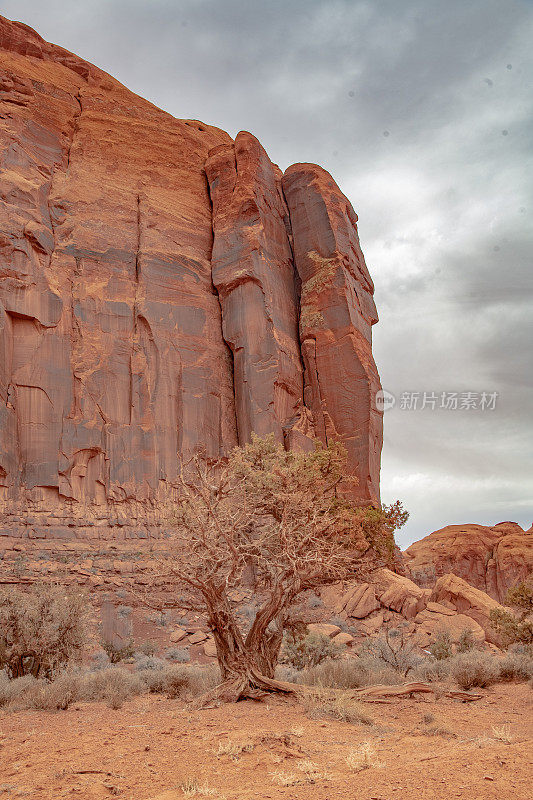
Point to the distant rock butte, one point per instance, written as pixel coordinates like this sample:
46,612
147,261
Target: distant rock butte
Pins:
163,290
490,558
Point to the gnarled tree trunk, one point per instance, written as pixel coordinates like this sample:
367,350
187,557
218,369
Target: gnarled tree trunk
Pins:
247,666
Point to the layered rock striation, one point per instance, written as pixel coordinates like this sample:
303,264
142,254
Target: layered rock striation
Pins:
164,290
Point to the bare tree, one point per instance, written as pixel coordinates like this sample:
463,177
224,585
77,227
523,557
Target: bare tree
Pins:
272,520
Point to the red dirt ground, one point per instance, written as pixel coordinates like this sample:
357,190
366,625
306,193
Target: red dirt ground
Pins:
152,747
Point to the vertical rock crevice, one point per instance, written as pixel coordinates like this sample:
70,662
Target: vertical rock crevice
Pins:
253,274
229,351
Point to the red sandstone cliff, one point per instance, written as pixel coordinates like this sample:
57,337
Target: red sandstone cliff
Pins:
163,289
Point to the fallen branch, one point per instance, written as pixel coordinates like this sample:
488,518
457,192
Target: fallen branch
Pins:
409,689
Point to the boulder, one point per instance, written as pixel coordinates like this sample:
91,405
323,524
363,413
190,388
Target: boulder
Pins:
196,638
323,629
333,595
399,593
343,639
429,624
210,648
371,625
468,601
177,635
362,601
439,608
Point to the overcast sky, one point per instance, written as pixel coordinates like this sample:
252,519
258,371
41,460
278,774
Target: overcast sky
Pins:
422,110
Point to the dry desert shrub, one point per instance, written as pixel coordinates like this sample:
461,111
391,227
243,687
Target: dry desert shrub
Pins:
433,670
512,627
117,653
516,626
474,669
56,695
178,654
335,705
466,641
42,629
180,680
394,650
310,650
11,689
442,646
350,673
516,666
33,693
171,681
114,686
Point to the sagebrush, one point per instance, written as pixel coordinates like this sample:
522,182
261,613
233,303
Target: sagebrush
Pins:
42,629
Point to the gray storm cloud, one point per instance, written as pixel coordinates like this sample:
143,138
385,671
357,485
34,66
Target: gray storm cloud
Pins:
420,110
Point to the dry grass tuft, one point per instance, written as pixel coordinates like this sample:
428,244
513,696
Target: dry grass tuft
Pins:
502,733
287,778
335,705
298,731
439,730
309,773
233,749
363,758
192,788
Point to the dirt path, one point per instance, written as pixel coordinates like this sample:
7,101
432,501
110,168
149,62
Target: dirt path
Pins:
154,748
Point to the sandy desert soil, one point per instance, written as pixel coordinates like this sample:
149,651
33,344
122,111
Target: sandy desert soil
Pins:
154,748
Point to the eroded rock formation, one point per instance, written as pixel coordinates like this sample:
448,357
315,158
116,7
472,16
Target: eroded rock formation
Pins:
337,312
163,290
492,559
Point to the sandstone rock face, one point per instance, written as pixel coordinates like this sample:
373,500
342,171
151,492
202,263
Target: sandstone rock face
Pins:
490,558
163,291
114,360
254,275
337,312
